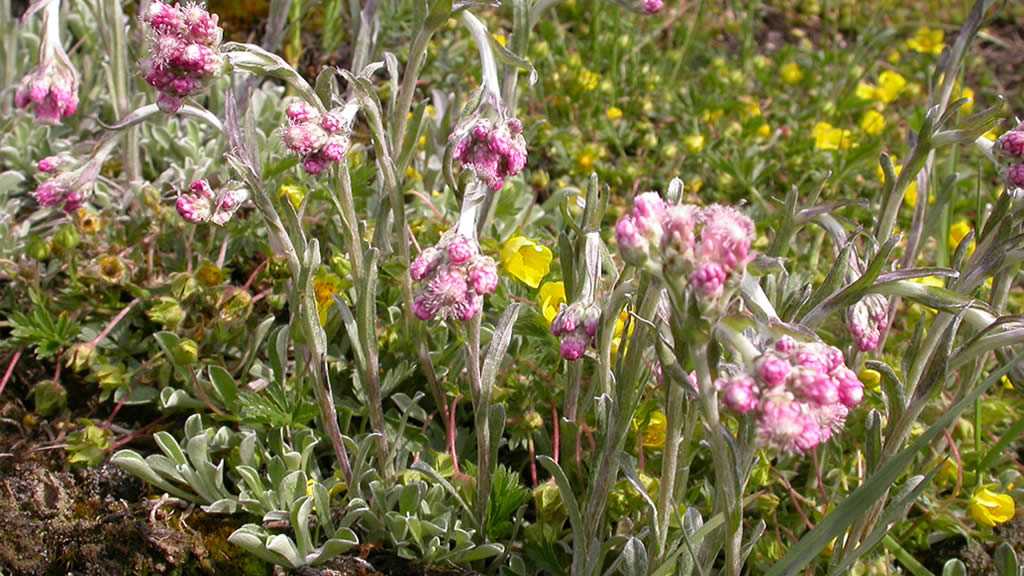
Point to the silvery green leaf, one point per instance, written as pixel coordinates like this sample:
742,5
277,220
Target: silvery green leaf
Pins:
222,506
954,567
256,60
252,539
1005,560
284,547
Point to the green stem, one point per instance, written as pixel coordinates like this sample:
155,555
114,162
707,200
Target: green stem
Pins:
481,420
669,463
729,502
400,115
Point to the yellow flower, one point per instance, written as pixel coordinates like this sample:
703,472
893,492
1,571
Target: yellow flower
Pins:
1007,385
711,116
827,137
791,73
872,123
750,107
992,135
764,130
588,80
890,86
325,286
654,432
968,106
500,38
614,113
927,41
620,324
991,508
585,161
959,231
894,57
865,91
295,194
872,379
551,296
694,143
526,260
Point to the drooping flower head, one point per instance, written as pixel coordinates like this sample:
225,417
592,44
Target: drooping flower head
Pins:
202,204
799,394
318,139
455,277
184,47
51,88
866,320
1009,153
494,151
71,181
576,328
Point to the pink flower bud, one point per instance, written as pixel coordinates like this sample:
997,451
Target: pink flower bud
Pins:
299,112
314,165
194,209
740,395
773,370
51,192
483,275
651,6
573,347
1015,175
425,263
50,164
1011,144
460,250
335,149
422,308
632,244
709,280
202,189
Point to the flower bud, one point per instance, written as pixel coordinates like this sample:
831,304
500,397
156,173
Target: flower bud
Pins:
185,352
66,237
167,312
37,249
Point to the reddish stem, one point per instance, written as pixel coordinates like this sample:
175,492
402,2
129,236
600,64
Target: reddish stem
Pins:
554,415
113,322
817,476
794,497
10,369
533,462
959,463
254,273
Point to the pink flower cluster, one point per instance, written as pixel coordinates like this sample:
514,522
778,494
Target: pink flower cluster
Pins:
708,246
866,320
184,47
799,394
650,6
576,327
202,204
455,278
63,187
1011,147
317,139
52,87
493,151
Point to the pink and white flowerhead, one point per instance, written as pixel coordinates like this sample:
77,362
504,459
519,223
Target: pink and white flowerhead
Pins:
51,88
493,150
202,204
454,277
184,51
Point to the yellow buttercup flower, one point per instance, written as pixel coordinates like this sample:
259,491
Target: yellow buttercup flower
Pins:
959,231
325,286
526,260
990,508
791,73
614,113
968,106
910,196
890,86
764,130
694,143
872,123
295,194
551,297
654,433
927,41
828,137
872,379
865,91
501,39
620,325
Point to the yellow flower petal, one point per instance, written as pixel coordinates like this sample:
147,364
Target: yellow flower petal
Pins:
526,260
990,508
551,296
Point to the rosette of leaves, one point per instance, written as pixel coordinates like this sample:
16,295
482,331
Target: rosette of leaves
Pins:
418,521
186,470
